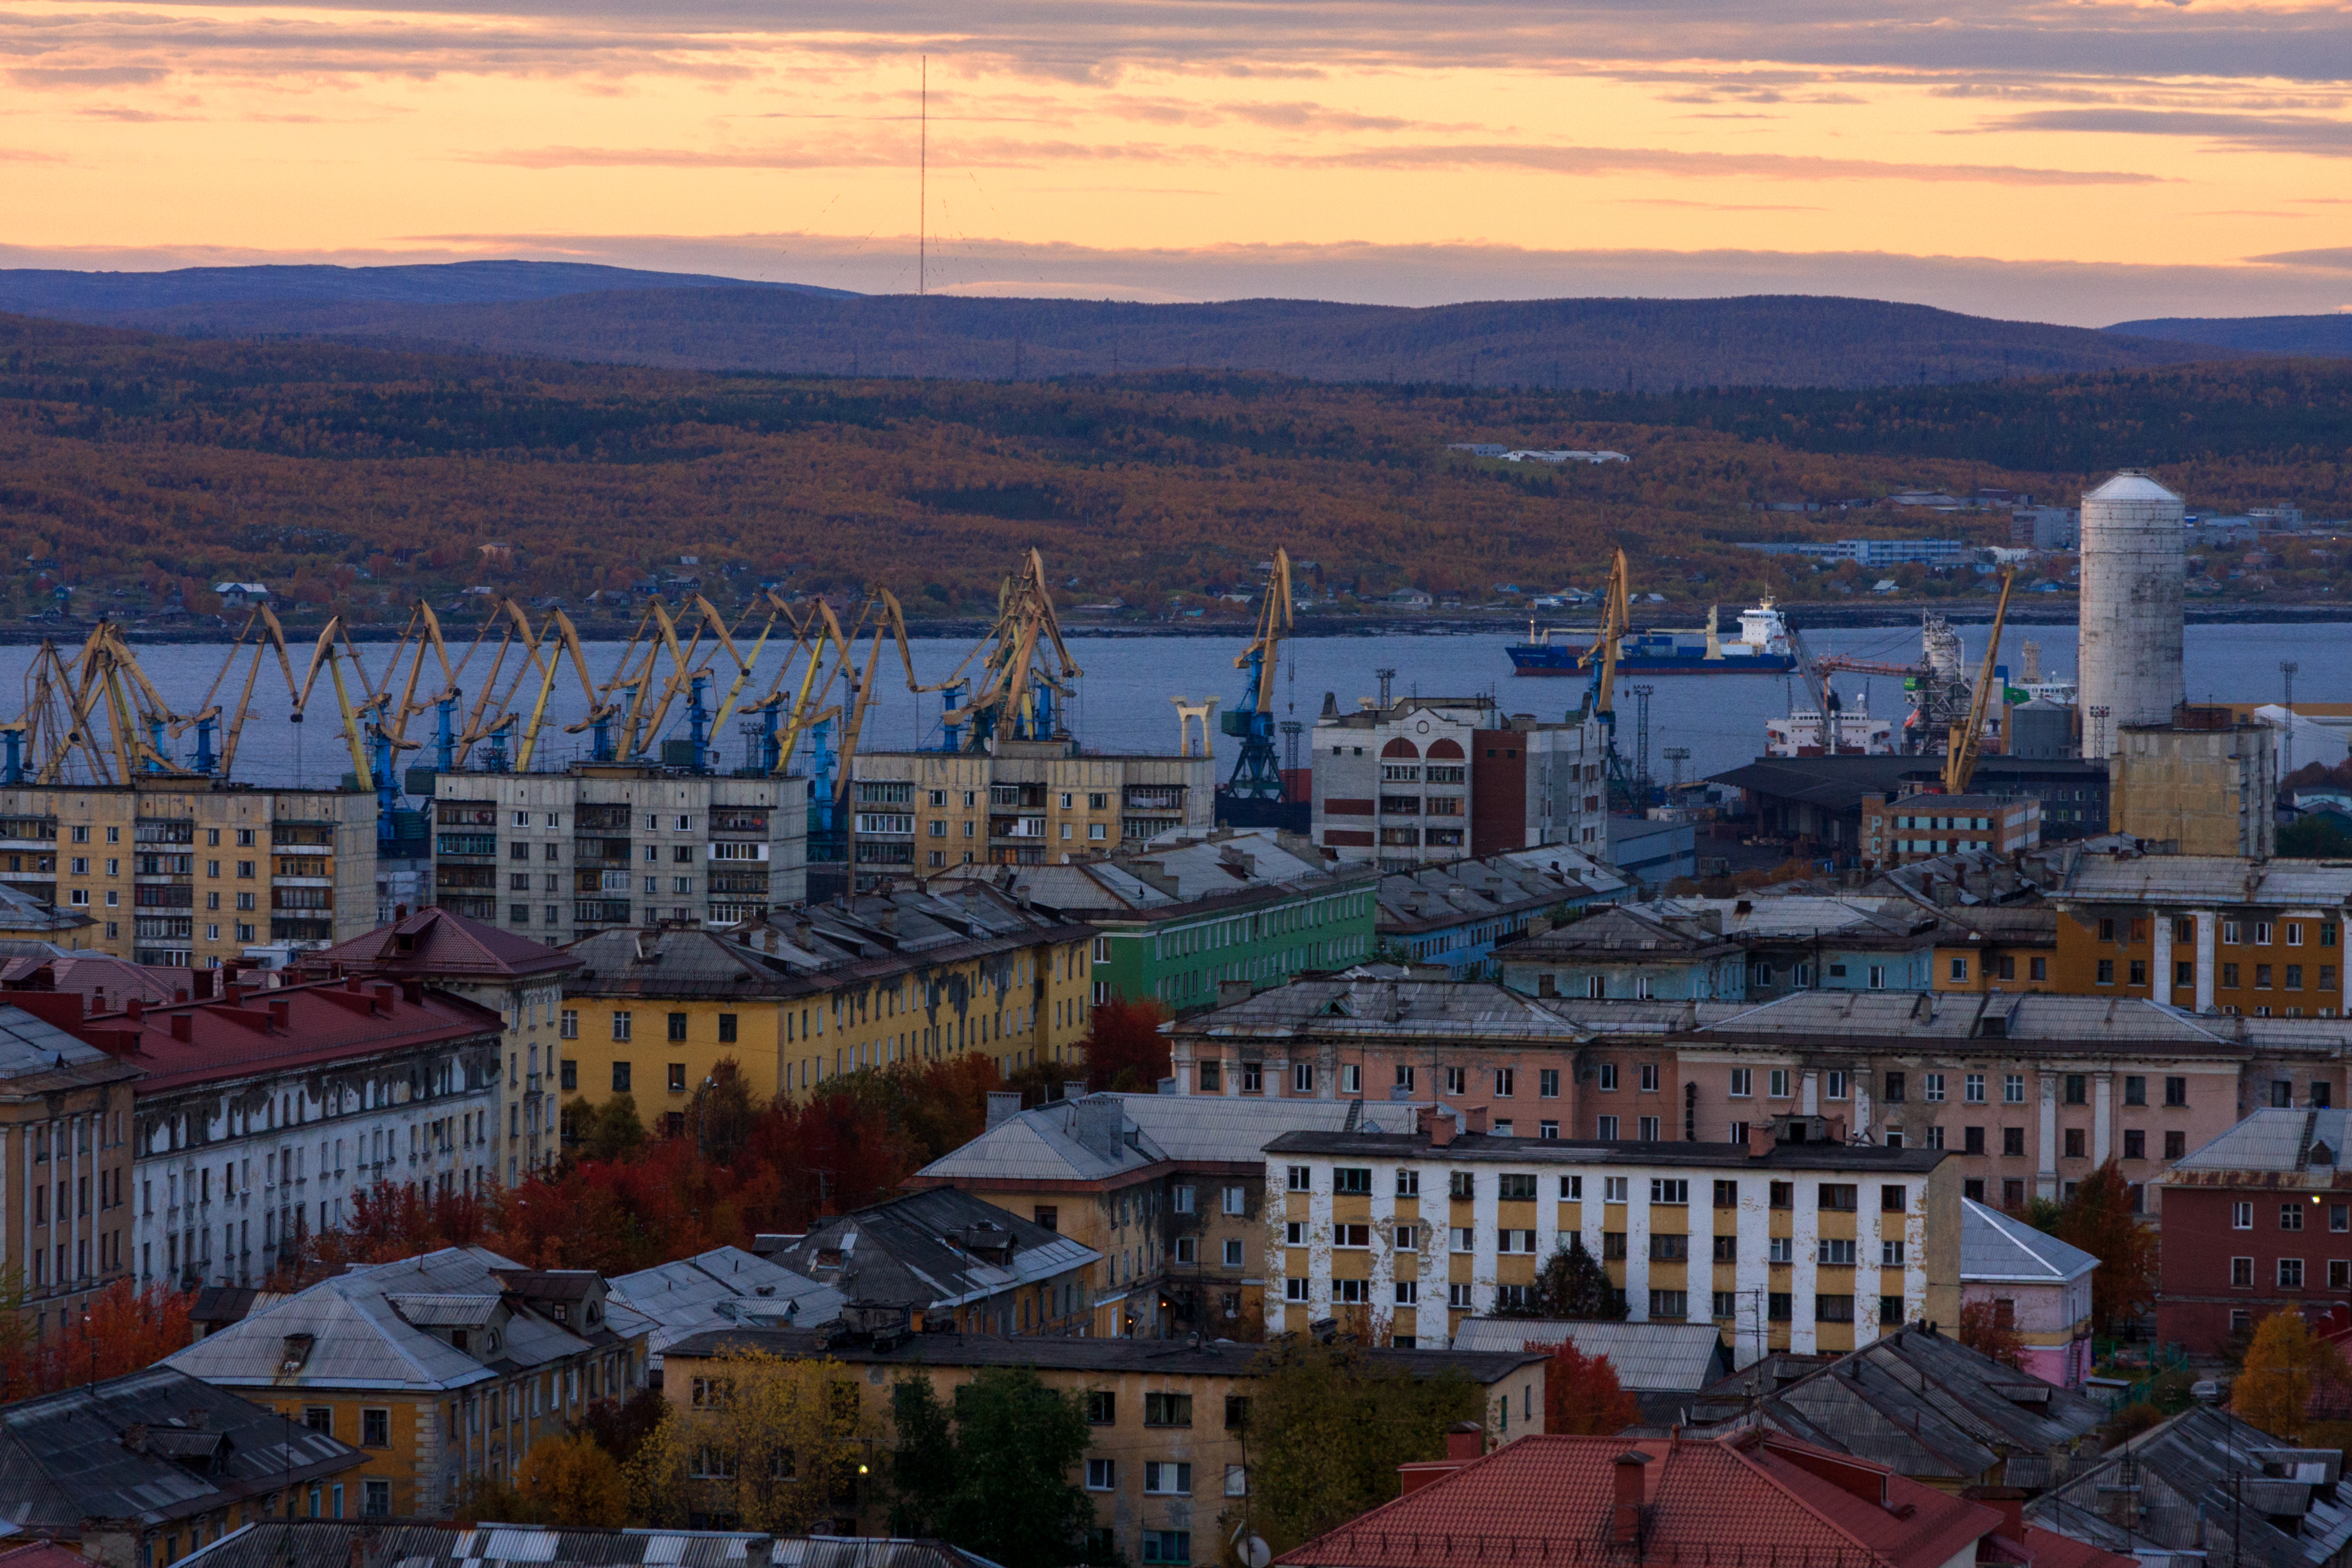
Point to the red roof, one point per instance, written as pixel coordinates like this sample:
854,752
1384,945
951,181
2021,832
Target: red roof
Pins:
1752,1497
435,944
42,1554
255,1030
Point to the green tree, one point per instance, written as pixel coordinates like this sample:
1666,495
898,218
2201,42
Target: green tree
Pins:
612,1131
990,1470
1573,1285
1326,1434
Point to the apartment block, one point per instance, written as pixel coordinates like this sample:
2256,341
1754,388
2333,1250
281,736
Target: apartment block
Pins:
2211,933
192,876
65,1157
1422,780
558,856
1794,1239
2032,1092
2205,784
262,1114
1900,828
1029,803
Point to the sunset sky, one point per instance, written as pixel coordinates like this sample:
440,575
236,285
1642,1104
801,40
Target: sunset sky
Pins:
2083,161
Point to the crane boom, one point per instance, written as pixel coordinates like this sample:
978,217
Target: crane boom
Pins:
1967,738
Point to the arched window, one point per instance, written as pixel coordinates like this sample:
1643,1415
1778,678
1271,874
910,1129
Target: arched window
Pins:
1400,747
1446,750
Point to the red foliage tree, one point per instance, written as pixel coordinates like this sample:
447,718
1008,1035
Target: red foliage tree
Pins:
122,1330
1582,1395
393,1219
1124,1048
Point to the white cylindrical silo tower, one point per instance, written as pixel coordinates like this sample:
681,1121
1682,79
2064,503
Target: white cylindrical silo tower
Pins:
2128,670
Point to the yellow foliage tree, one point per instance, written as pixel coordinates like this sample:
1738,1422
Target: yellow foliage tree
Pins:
573,1481
767,1441
2274,1391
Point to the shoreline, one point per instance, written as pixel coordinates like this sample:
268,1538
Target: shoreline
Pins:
1804,615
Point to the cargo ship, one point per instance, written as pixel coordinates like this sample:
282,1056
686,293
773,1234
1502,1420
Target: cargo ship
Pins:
1761,649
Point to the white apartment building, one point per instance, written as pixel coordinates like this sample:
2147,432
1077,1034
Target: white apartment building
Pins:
1425,780
265,1113
1794,1241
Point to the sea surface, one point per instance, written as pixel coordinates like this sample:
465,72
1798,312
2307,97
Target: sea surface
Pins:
1123,695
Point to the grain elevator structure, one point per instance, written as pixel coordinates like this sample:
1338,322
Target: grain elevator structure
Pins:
2133,561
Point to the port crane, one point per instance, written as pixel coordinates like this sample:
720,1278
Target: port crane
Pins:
1600,657
1018,690
1257,774
1966,742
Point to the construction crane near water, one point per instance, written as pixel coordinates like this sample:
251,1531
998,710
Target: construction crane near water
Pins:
1966,741
1255,796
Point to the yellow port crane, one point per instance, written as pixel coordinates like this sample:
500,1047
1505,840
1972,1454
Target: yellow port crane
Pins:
1601,659
1018,690
1967,739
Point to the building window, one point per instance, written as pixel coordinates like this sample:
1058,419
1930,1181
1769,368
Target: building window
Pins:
2290,1273
1832,1308
1506,1083
620,1078
1742,1082
1972,1088
377,1499
1776,1082
2175,1145
2242,1273
1609,1076
2241,1217
1605,1128
1302,1078
1167,1409
622,1025
1893,1095
1102,1475
1174,1546
1669,1304
1931,1087
1547,1083
2075,1150
1102,1407
2290,1217
2135,1145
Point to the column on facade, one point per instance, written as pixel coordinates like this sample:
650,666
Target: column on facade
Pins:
2045,1161
2103,1116
2204,918
73,1216
2160,933
1804,1275
1867,1261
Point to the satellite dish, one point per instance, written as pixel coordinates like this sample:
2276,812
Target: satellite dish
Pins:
1252,1550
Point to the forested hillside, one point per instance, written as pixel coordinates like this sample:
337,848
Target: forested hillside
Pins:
1616,345
358,477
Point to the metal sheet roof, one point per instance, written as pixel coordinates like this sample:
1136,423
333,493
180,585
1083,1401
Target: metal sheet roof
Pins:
723,1287
1648,1358
1999,1247
378,1544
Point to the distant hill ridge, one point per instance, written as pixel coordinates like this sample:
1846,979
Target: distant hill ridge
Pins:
574,311
2322,337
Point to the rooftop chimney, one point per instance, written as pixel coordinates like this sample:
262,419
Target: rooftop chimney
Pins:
1436,1123
1003,1104
135,1009
1759,1139
2007,1501
1475,1118
1625,1519
183,1027
1464,1441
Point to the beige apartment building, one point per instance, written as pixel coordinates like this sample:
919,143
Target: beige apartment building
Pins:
190,875
65,1192
1030,802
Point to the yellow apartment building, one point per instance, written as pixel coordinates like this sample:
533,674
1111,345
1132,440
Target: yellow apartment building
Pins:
1168,1468
187,874
794,998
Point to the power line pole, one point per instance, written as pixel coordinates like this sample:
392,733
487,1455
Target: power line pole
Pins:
923,184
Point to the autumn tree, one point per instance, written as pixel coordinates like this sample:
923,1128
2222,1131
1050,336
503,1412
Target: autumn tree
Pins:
2283,1365
776,1440
1125,1050
1581,1394
1572,1285
989,1468
2098,1218
122,1330
1983,1330
1327,1433
620,1427
611,1131
573,1481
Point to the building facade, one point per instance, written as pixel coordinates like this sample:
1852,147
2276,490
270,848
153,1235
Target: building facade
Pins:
1167,1463
1903,828
1456,914
2258,1220
1178,920
1028,802
262,1114
2209,934
65,1167
1791,1241
561,855
2032,1092
2204,783
802,997
519,980
2036,1286
943,1260
443,1368
1423,780
190,875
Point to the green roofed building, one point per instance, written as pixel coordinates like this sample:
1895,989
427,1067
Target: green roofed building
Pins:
1195,911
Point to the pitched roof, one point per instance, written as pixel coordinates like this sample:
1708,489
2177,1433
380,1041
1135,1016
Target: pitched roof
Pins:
149,1446
1628,933
2273,1147
1360,1003
720,1289
20,910
281,1028
440,944
931,1249
1107,1353
1086,1139
370,1328
1648,1358
1432,897
275,1543
1997,1248
36,1057
1921,1404
1748,1498
2204,1472
1183,872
